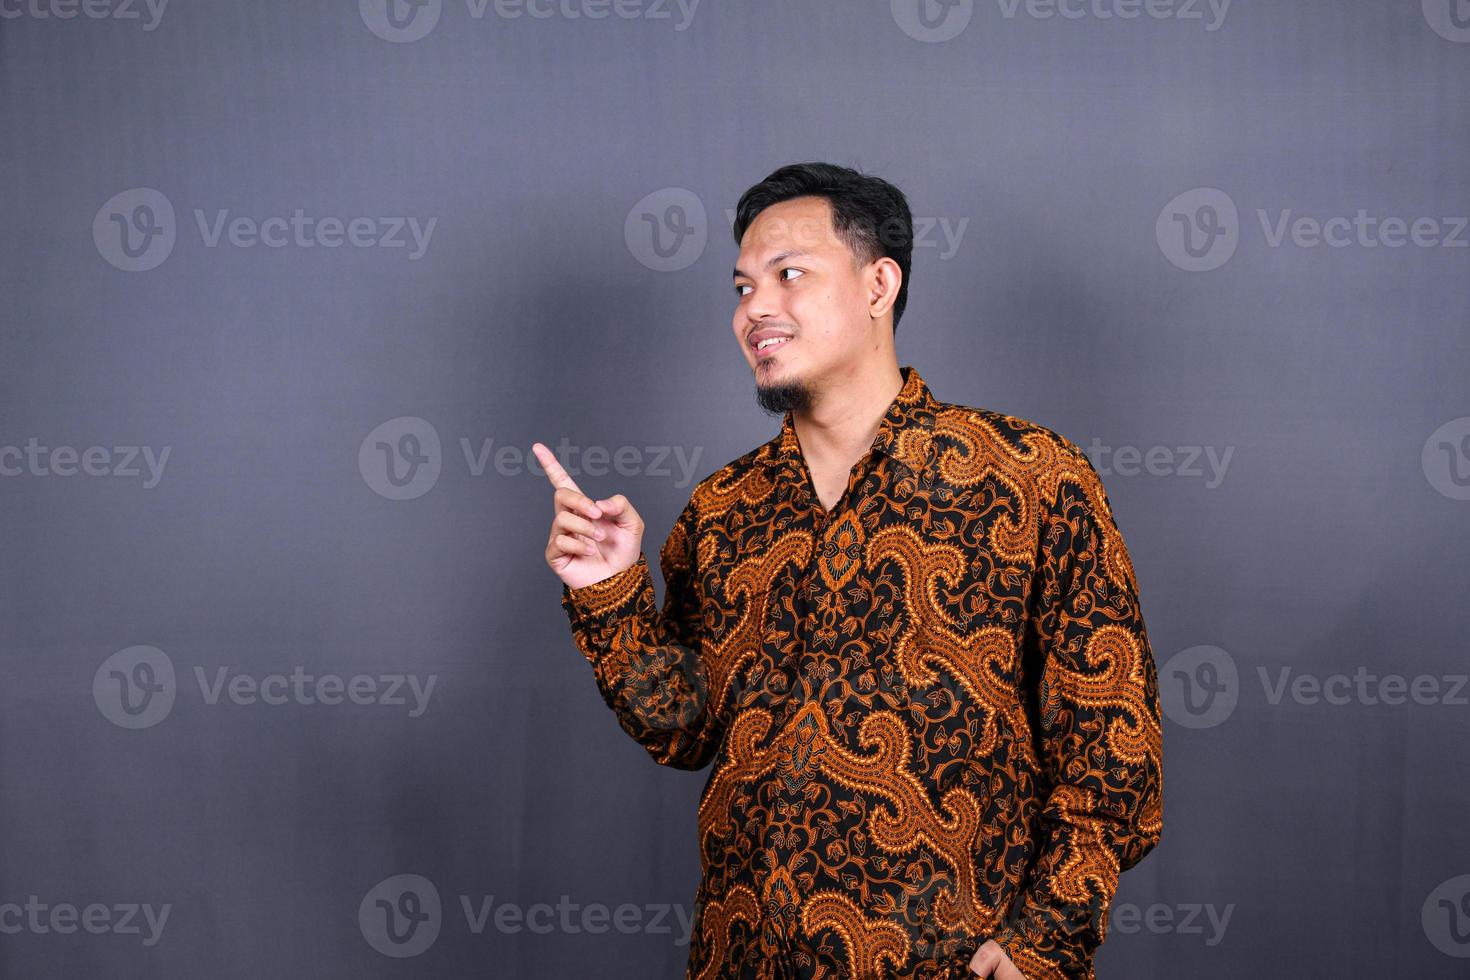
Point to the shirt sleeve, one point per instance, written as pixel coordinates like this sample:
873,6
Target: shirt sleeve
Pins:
647,662
1097,709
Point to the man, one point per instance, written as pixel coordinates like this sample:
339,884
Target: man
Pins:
906,633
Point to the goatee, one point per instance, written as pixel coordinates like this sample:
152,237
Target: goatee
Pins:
783,396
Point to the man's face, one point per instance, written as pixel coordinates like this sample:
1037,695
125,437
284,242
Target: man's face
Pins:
796,279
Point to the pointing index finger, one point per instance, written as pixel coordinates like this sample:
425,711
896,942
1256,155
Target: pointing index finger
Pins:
554,471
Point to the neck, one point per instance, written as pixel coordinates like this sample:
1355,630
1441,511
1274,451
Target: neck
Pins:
847,410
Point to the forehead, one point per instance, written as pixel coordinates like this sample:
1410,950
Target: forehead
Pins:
799,224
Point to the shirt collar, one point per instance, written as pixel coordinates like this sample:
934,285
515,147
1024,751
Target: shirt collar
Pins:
905,433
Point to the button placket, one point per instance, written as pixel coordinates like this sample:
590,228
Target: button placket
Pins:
787,585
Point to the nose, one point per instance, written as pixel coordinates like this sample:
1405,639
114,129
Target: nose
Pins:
760,304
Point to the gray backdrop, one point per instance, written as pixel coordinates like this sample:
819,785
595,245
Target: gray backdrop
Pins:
290,289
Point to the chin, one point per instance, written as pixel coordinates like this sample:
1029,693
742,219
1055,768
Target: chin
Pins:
780,364
770,374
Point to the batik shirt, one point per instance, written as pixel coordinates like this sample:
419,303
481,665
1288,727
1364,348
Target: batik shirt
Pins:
932,711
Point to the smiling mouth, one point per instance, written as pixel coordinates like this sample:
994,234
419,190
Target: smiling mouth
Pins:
770,344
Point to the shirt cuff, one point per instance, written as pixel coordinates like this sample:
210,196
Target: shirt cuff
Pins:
596,611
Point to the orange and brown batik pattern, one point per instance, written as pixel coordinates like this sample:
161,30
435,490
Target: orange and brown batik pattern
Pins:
932,712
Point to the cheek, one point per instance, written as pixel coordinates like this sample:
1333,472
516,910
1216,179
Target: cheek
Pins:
826,306
821,313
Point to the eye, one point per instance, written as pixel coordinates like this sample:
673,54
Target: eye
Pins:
742,287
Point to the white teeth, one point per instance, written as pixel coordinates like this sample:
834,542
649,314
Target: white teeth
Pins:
771,342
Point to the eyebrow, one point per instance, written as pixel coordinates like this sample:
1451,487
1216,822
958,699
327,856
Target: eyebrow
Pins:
778,257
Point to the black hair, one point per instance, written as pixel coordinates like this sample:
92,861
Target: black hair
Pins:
868,213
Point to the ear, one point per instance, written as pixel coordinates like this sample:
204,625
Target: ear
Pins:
882,279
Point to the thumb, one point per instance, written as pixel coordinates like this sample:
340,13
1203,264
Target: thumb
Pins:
619,510
985,961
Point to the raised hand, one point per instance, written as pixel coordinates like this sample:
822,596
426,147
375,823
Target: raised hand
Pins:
590,539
